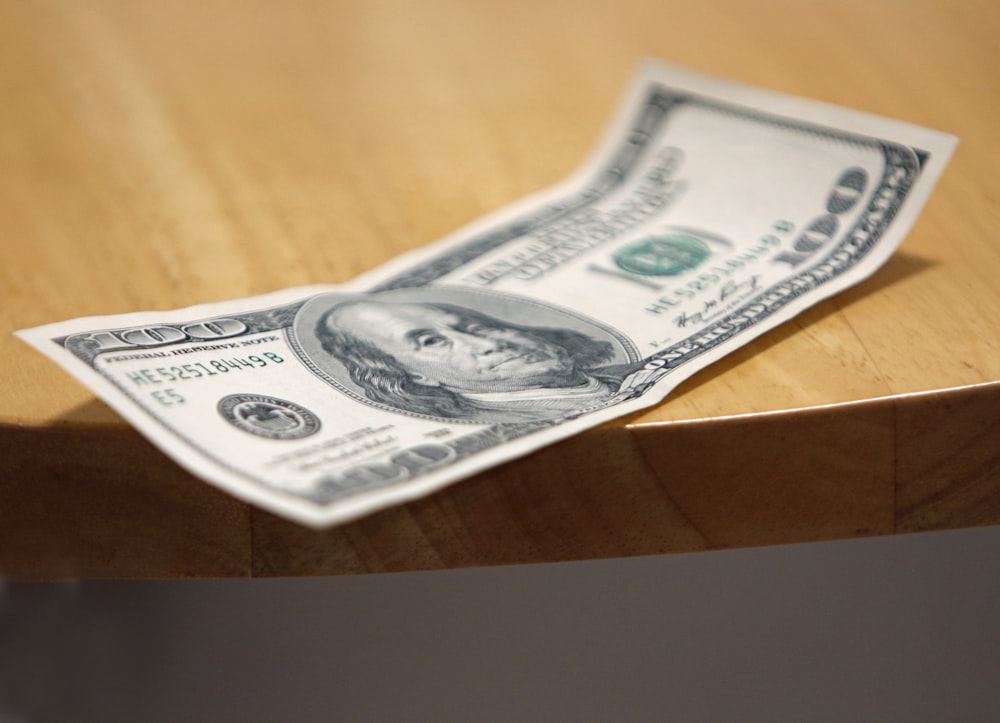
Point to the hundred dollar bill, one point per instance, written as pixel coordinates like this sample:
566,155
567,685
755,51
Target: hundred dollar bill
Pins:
710,213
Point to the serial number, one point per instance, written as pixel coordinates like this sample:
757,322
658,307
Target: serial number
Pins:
196,370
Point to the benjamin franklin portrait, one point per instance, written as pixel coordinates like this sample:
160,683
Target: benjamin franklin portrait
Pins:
449,360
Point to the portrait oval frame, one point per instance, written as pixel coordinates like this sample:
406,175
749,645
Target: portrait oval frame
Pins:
510,308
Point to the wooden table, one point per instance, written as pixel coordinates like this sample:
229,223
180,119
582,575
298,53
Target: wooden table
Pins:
158,155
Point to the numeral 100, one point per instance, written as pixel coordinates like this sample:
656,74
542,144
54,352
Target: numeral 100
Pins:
148,336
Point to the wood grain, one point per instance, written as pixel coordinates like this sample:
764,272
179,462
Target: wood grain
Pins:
158,155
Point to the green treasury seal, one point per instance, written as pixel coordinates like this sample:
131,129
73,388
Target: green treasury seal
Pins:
663,255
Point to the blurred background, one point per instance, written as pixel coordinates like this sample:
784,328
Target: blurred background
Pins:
892,629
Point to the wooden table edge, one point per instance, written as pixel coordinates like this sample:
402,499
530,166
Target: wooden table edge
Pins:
98,501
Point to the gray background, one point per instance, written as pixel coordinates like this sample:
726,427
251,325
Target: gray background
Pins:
891,629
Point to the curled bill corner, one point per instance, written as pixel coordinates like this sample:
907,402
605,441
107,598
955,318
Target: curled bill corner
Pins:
709,213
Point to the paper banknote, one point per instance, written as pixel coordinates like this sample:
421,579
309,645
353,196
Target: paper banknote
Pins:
710,213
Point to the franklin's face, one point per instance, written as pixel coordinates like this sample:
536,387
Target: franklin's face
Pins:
444,348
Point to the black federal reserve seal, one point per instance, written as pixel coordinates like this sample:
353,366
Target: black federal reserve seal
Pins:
268,416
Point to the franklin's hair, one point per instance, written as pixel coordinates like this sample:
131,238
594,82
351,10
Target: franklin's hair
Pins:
387,381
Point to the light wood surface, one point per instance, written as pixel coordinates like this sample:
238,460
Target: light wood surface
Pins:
156,155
